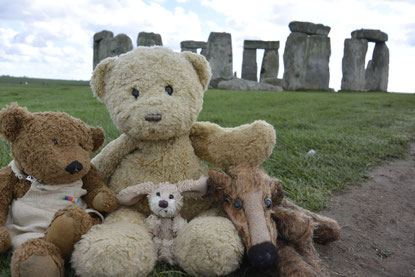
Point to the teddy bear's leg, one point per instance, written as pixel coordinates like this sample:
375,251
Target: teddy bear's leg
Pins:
325,229
121,246
209,246
37,258
291,264
67,227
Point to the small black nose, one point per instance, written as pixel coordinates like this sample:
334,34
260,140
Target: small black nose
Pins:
74,167
153,117
163,204
263,255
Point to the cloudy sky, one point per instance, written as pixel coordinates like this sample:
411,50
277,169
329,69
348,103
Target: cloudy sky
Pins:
53,38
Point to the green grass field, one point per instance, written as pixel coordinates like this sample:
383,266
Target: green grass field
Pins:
350,132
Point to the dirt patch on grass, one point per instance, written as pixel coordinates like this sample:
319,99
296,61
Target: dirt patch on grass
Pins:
378,224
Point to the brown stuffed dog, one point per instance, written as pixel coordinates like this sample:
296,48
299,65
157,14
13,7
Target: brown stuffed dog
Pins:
255,204
46,190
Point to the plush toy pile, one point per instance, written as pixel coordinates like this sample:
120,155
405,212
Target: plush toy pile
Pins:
49,189
154,96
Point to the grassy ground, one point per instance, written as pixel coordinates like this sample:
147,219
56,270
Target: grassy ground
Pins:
350,132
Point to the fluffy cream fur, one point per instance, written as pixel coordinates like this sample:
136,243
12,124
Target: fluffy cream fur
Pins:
135,86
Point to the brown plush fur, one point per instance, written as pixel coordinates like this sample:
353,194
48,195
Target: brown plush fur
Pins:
295,226
43,145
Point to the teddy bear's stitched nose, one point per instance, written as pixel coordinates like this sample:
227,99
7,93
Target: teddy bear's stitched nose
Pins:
74,167
163,204
153,117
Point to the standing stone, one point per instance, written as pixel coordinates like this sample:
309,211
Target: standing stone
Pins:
377,72
249,65
371,35
106,45
270,66
294,59
353,64
317,72
306,57
219,55
149,39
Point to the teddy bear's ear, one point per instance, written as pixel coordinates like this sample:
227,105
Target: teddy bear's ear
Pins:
131,195
193,188
12,118
100,76
98,138
202,67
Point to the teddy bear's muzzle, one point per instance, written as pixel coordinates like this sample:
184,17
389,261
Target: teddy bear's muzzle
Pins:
74,167
153,117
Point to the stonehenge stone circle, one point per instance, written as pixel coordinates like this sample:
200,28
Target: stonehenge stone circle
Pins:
375,76
270,61
106,45
219,55
241,84
192,46
149,39
306,57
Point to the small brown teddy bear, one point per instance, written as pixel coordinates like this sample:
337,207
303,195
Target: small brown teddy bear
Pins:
45,192
165,201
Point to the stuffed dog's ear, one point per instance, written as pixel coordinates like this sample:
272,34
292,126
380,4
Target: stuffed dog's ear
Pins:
277,194
12,119
193,188
131,195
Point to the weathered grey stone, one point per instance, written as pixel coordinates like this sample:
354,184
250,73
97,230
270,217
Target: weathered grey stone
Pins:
105,45
371,35
272,81
240,84
192,46
270,66
353,64
249,65
317,72
309,28
294,59
306,62
261,44
149,39
219,54
377,71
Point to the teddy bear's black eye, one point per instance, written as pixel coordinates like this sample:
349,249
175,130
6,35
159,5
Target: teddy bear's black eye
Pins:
135,93
171,196
54,141
169,90
158,193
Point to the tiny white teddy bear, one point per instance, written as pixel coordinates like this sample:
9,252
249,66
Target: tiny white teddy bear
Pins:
165,202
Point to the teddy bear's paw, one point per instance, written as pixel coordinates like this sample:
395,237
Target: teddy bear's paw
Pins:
5,240
67,227
105,201
119,249
209,246
37,258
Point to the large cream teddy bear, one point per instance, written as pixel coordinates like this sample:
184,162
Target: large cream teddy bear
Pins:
154,96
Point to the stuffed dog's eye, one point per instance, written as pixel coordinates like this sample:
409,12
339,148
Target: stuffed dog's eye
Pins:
135,93
171,196
237,204
54,141
169,90
268,203
158,193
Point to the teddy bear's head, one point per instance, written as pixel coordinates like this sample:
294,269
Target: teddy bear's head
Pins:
152,93
52,147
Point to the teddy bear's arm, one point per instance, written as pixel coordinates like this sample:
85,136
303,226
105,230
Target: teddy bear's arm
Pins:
111,156
178,223
98,196
7,179
250,143
153,222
